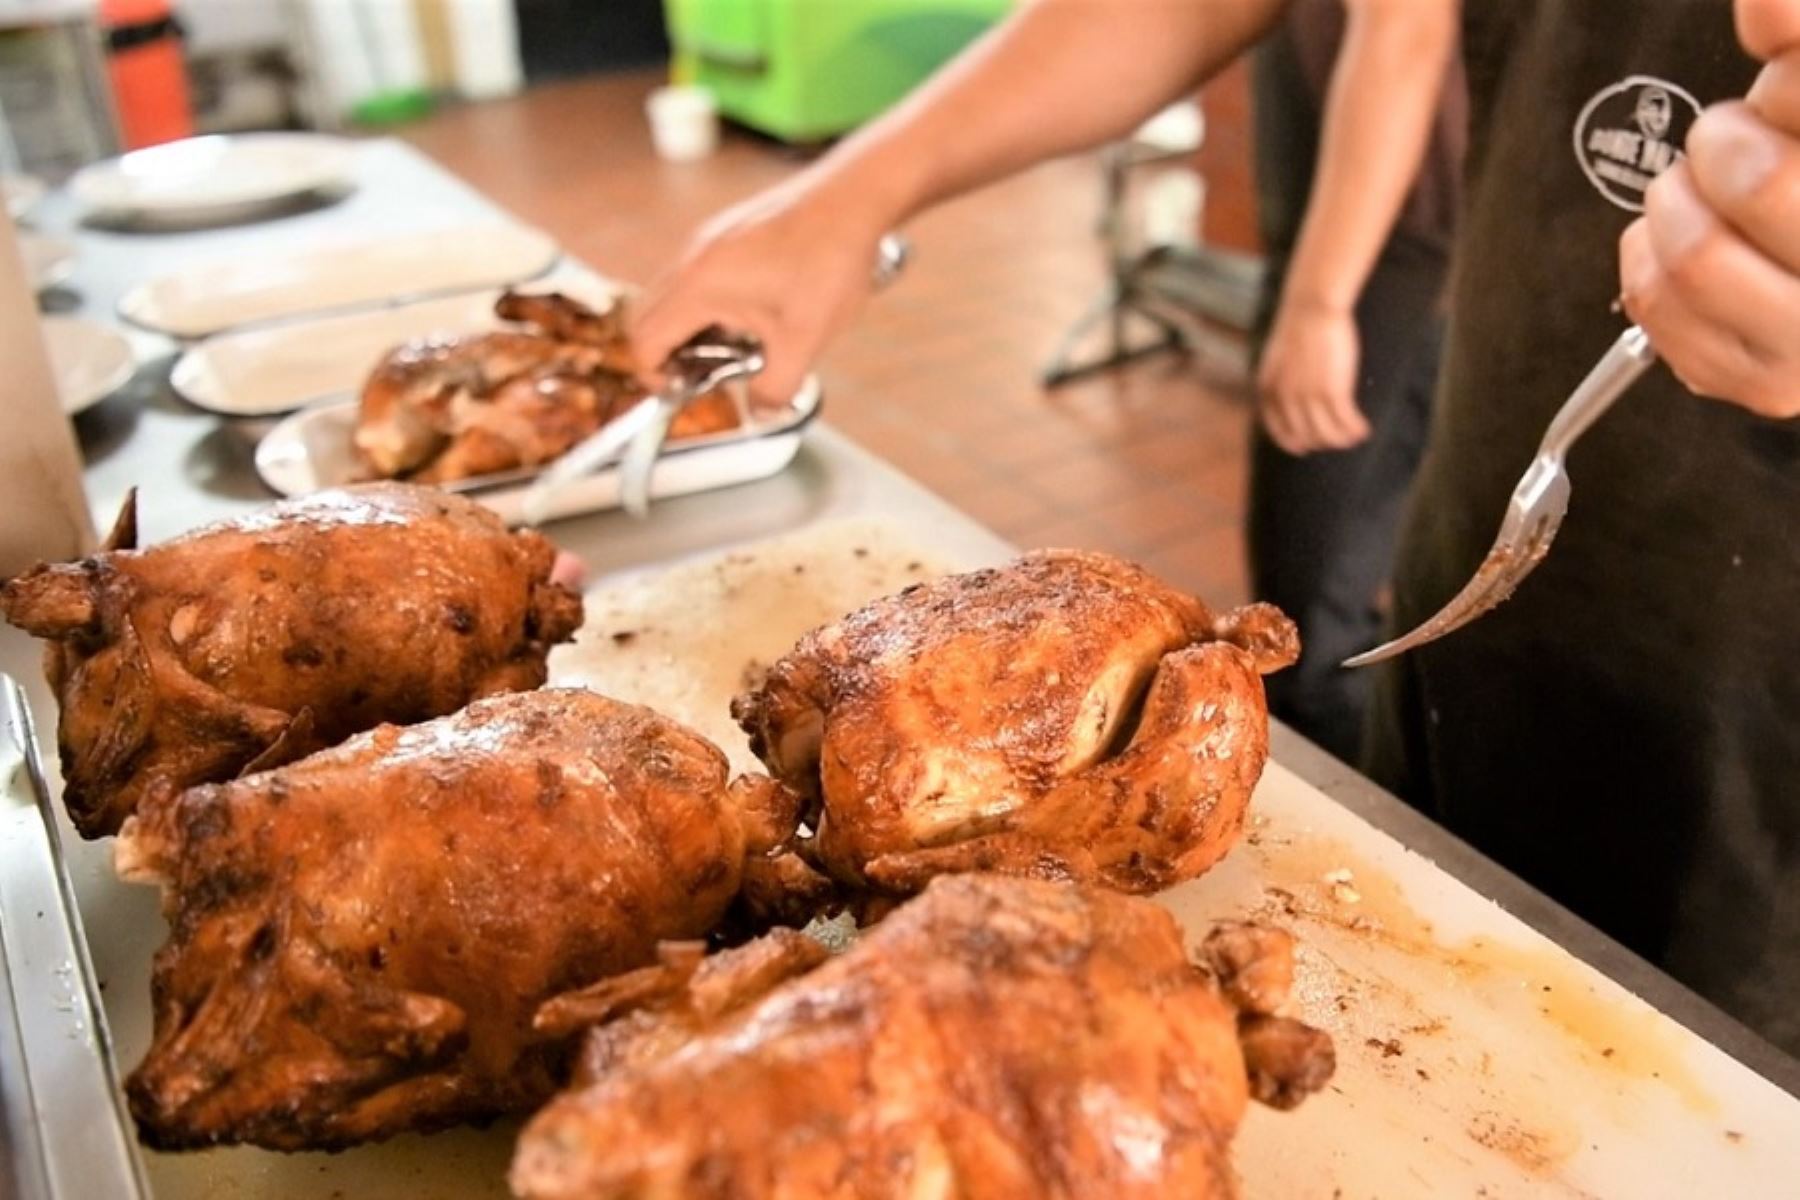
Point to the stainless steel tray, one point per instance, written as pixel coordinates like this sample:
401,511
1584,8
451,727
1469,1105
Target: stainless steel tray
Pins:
66,1130
310,450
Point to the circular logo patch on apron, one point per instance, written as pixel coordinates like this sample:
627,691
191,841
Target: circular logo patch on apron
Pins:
1630,133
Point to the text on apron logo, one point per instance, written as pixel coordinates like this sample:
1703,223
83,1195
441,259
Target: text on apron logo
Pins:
1630,133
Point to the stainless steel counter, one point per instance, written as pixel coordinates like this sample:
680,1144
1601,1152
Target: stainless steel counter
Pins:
191,467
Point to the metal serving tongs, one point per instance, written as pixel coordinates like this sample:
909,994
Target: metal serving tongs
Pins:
1538,504
707,361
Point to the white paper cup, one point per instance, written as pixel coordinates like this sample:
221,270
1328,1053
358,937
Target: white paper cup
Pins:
684,122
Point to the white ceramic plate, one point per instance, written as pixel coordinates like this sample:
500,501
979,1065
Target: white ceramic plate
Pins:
277,369
89,360
218,178
21,193
235,293
48,260
311,450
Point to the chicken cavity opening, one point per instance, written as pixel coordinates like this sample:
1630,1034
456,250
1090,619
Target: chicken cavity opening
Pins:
1113,709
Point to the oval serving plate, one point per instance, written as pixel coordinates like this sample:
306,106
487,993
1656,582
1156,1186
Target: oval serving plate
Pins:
278,369
89,360
219,178
311,449
233,293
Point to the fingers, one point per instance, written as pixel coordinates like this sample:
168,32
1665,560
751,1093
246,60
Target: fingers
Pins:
1330,423
1748,172
1703,352
664,324
1281,430
1308,423
1712,271
1339,422
1716,273
673,312
1776,93
1279,417
1306,396
1768,28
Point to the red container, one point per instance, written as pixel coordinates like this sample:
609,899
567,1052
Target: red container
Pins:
149,74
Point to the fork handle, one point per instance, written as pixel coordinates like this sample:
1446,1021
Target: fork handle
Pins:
1617,370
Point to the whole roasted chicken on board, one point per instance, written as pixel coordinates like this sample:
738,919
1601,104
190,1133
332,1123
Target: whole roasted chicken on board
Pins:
358,940
1067,716
253,641
993,1038
446,408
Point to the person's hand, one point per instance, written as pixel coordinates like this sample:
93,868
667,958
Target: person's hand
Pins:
1306,385
1712,269
791,266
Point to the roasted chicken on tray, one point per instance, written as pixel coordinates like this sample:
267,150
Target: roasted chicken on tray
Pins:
1067,716
358,940
446,408
256,640
992,1039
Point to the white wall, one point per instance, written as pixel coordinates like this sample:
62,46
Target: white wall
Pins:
217,25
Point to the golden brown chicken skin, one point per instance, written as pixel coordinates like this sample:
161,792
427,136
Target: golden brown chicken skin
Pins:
992,1039
358,940
277,633
444,408
1067,716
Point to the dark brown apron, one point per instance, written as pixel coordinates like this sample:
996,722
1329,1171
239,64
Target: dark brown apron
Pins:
1625,732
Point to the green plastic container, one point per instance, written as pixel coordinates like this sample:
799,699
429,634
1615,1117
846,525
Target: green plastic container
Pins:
808,70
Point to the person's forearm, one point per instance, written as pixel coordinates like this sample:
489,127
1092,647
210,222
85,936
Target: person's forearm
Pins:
1057,77
1379,113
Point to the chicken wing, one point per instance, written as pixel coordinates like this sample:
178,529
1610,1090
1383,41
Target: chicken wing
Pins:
358,940
256,640
992,1039
1067,716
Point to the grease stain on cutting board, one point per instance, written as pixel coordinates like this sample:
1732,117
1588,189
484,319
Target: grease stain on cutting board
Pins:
1612,1034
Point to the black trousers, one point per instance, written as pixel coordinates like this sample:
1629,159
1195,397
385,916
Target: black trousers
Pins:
1322,528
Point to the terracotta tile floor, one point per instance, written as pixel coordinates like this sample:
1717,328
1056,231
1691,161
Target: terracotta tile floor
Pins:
941,375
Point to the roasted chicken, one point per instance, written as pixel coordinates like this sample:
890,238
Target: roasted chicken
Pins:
445,408
259,639
358,940
992,1039
1067,716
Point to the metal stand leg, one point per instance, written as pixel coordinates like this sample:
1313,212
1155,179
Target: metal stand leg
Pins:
1160,288
1115,308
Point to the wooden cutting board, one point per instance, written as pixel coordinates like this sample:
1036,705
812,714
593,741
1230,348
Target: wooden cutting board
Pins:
1475,1057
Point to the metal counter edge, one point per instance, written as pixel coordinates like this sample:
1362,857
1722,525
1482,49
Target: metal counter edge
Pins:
57,1068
